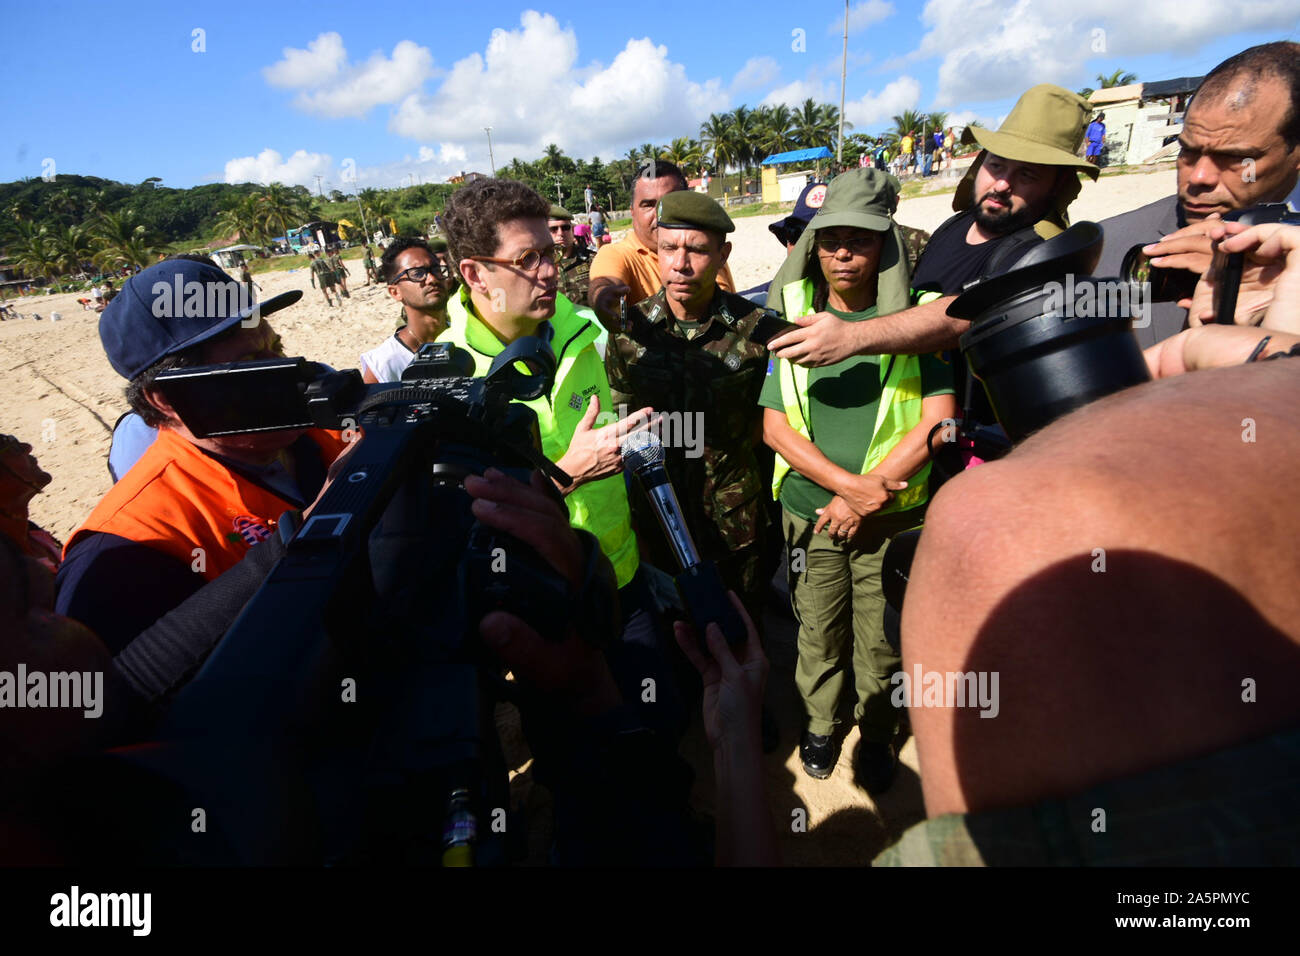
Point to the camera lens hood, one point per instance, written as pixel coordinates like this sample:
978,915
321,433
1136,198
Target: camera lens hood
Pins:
1046,336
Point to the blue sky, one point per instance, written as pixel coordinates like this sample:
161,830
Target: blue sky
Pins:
378,93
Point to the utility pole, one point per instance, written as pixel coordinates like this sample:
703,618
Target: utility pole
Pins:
319,194
491,160
844,74
559,195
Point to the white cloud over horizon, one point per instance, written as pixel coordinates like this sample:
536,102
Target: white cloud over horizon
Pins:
328,86
527,85
989,49
268,166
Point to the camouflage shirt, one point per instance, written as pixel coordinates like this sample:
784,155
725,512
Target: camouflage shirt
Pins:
575,277
914,241
705,378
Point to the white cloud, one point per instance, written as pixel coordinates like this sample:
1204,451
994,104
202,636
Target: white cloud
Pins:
527,85
960,118
320,62
757,71
996,49
445,153
875,108
794,93
329,86
863,15
269,166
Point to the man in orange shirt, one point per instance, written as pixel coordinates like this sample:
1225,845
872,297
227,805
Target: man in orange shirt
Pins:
630,267
190,508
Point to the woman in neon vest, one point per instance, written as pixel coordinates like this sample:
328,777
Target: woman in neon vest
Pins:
851,465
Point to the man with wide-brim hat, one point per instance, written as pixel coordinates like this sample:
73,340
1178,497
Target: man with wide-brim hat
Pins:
1014,196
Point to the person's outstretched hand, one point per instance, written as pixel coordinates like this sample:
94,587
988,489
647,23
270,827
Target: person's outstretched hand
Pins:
733,684
1269,294
823,340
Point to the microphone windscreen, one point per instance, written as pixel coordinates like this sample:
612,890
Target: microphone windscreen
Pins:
641,450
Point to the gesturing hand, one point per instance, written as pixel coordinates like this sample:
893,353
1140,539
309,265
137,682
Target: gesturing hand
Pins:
823,340
594,452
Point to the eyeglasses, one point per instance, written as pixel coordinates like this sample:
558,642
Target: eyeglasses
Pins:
857,246
418,273
530,260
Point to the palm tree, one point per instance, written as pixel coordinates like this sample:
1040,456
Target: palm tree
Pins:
804,124
906,122
775,134
36,254
381,208
554,161
719,142
122,241
684,152
1118,78
75,246
244,221
280,208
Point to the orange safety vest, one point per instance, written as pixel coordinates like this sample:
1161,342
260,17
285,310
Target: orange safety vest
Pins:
186,504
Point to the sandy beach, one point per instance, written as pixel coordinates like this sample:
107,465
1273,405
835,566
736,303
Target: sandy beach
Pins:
65,398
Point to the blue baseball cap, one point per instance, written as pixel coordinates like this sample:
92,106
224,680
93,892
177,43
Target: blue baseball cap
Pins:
805,207
171,306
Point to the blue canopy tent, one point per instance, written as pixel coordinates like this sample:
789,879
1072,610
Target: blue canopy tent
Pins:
798,155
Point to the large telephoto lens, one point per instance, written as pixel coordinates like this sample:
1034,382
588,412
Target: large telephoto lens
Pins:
1047,338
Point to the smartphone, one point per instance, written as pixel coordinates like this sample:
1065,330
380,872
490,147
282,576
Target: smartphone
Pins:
769,326
1227,267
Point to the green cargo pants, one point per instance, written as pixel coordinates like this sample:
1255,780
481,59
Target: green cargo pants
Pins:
836,592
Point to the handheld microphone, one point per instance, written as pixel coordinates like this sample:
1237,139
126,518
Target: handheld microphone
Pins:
699,585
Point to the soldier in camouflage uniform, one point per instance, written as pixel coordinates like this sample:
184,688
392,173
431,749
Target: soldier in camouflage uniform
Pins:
685,352
575,267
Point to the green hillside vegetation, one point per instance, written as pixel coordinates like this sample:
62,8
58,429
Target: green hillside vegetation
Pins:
71,225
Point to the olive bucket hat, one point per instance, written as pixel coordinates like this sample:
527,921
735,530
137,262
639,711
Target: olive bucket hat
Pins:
1046,126
865,199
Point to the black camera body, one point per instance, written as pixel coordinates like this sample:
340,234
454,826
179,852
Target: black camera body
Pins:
354,677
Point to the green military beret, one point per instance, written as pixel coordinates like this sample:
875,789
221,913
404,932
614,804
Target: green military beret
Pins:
559,212
685,209
438,244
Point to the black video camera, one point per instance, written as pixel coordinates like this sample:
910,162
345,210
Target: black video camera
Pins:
353,680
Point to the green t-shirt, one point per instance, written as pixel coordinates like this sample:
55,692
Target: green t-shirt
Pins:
843,400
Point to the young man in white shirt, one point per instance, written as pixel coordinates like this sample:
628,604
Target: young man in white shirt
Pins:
420,282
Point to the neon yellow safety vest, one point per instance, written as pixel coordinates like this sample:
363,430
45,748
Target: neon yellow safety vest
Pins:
898,413
598,506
